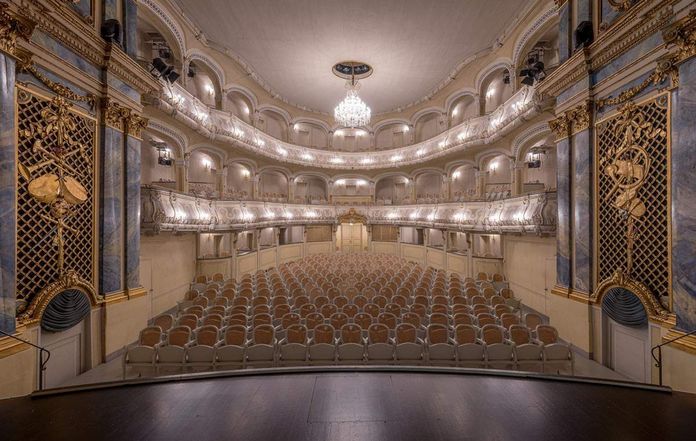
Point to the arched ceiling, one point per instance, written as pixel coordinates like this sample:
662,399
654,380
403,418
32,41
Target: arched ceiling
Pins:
413,45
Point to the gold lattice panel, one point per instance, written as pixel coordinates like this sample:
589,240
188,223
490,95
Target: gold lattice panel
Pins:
36,254
647,202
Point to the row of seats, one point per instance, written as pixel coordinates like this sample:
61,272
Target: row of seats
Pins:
324,345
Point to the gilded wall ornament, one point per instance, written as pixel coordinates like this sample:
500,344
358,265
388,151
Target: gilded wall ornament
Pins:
11,29
665,69
682,34
63,91
572,121
620,5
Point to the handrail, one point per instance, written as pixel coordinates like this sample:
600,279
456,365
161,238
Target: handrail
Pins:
42,361
658,359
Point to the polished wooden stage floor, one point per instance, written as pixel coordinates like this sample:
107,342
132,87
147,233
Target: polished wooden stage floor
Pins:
354,406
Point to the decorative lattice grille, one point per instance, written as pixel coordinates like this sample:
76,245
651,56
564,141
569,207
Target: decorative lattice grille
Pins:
37,254
636,141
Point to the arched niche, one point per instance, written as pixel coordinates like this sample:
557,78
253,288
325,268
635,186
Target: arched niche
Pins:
351,140
309,134
463,183
428,186
273,185
311,189
497,167
392,190
351,186
239,181
391,136
273,123
546,38
240,105
463,108
157,161
539,168
202,167
203,84
428,125
496,88
155,40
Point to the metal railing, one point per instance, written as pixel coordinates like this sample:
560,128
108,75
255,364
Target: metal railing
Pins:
42,360
658,358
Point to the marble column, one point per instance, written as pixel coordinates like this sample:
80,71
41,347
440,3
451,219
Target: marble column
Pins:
181,182
563,229
132,211
564,32
516,168
480,183
221,180
111,261
583,212
8,192
684,197
130,27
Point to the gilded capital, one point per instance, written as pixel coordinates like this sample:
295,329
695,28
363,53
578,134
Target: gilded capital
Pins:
10,29
115,115
560,127
682,34
135,124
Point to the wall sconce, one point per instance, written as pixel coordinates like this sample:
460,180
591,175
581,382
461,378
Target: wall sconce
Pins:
493,166
456,175
490,93
406,129
210,89
207,164
455,112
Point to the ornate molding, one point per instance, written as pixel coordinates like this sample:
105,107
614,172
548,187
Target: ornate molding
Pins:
70,280
572,121
353,217
656,312
122,118
682,34
620,5
135,125
59,89
11,29
666,68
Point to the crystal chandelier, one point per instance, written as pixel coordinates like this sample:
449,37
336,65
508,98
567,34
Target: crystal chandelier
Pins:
352,111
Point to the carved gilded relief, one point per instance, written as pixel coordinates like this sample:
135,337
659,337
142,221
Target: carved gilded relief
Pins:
55,200
633,194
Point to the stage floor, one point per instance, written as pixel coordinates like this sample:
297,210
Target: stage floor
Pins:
353,406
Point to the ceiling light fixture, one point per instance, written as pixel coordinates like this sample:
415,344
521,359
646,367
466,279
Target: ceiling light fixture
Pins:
352,111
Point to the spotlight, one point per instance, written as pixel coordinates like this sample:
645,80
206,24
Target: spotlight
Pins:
506,78
191,70
173,76
111,31
163,70
528,81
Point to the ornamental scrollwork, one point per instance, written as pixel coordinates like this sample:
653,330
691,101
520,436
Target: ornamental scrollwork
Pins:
11,29
63,91
682,34
620,5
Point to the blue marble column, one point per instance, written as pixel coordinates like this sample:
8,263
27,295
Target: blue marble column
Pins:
684,197
130,27
132,212
111,212
583,219
564,37
8,192
563,230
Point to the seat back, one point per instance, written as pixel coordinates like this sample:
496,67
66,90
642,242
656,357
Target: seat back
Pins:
296,333
411,318
324,334
485,319
478,300
207,335
201,301
371,309
508,319
321,301
196,310
360,301
164,321
492,334
236,335
547,334
363,320
290,319
464,334
300,301
338,320
189,320
406,333
214,320
439,318
307,309
179,336
313,320
387,319
421,310
264,335
328,310
350,310
281,310
463,318
506,293
437,333
150,336
520,334
237,319
261,319
340,301
351,333
378,333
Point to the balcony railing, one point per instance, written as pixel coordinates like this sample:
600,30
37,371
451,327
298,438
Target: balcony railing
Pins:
222,126
166,210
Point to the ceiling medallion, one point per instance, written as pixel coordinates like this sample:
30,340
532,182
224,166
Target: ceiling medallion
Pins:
352,111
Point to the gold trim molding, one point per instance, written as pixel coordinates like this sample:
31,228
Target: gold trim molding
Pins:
352,216
656,312
682,35
11,29
621,5
572,121
70,280
64,91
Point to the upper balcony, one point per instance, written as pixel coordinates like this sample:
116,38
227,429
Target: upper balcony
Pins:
224,127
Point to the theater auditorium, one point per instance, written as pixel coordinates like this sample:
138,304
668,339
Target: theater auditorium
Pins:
347,220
